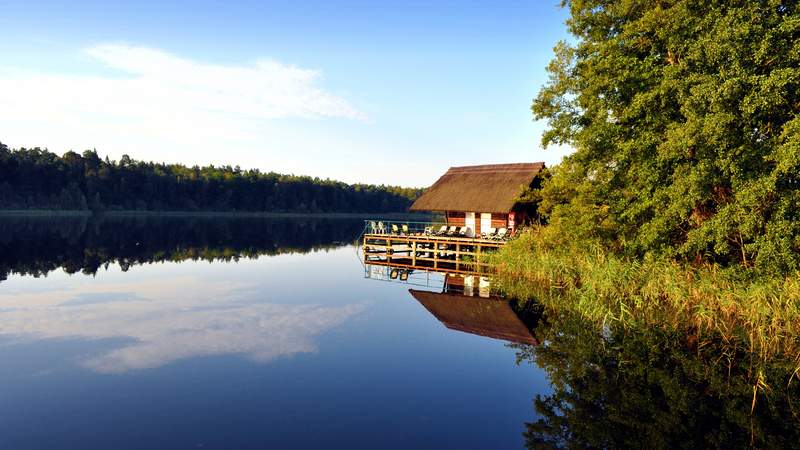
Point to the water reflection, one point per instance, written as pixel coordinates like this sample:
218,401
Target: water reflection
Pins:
39,245
419,350
464,302
164,323
644,388
192,312
489,317
619,387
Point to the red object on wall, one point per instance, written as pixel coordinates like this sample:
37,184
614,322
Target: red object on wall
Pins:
511,221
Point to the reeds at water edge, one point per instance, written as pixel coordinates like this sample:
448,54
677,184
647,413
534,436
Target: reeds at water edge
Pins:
733,308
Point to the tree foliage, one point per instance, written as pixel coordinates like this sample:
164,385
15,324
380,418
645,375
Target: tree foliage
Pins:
36,178
684,116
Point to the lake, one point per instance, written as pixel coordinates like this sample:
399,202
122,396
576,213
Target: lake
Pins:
176,332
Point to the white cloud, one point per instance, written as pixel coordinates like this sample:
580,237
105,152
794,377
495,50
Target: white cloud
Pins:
265,90
160,101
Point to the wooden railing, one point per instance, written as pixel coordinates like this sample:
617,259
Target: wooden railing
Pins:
456,254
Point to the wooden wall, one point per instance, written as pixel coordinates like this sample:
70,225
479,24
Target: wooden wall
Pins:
456,218
499,220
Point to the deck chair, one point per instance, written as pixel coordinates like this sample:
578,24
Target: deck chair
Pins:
463,231
489,233
452,230
442,231
395,230
501,233
404,227
381,228
428,231
373,227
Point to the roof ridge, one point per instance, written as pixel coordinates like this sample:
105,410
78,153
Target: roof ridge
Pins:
501,165
496,168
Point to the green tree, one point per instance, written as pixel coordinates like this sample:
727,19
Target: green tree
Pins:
684,120
36,178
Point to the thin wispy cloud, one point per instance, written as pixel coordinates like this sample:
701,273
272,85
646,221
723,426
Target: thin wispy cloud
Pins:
151,97
266,89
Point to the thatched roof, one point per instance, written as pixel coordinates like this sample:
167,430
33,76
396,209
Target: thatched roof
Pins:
490,317
487,188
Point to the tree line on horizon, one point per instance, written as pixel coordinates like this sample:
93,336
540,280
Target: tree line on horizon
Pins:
36,178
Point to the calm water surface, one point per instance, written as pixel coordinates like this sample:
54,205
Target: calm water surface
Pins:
200,333
257,333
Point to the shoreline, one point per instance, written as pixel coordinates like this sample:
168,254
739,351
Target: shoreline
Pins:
751,312
269,214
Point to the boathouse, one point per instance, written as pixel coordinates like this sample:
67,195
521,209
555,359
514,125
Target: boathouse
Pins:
482,197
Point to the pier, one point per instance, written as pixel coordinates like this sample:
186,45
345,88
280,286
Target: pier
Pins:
417,246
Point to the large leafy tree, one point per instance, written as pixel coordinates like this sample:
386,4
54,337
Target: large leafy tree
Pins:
684,116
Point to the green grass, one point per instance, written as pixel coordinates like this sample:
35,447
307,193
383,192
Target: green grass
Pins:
738,308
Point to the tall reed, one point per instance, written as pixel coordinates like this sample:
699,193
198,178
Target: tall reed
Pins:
745,311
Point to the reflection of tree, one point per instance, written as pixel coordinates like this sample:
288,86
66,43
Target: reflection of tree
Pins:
635,389
36,245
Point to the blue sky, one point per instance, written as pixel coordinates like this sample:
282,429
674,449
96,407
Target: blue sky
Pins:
377,92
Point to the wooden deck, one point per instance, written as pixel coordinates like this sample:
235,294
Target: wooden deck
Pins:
455,254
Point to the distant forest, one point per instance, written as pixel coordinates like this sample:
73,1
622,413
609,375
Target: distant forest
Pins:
39,179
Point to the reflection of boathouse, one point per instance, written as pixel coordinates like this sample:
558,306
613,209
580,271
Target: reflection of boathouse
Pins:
481,207
464,303
491,317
